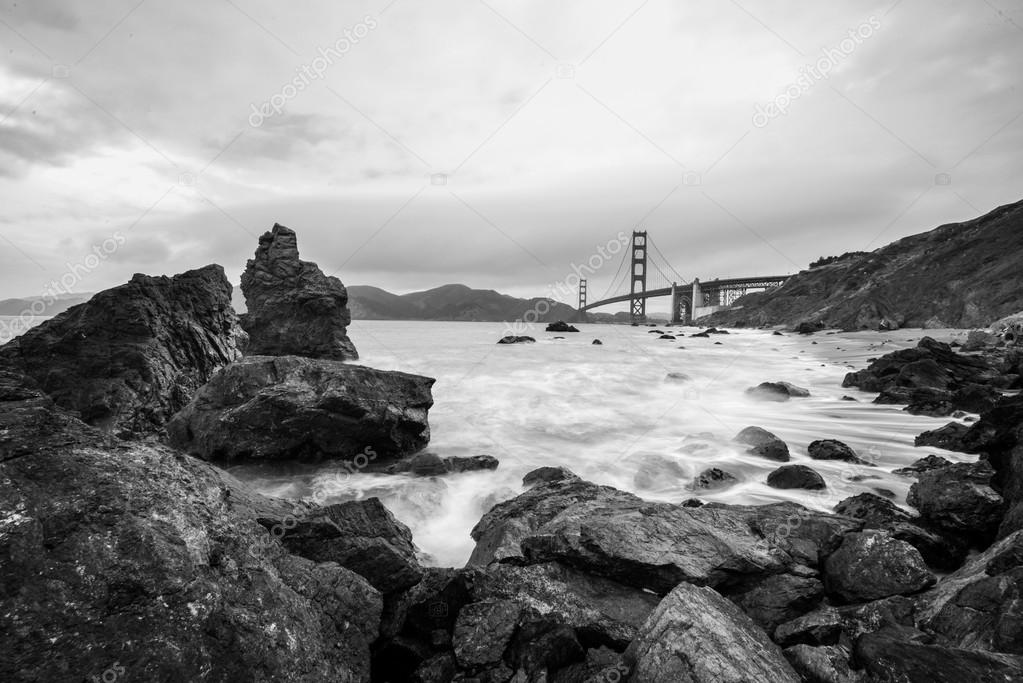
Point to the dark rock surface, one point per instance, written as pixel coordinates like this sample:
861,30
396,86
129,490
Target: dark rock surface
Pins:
432,465
796,477
931,379
512,339
362,536
696,636
293,308
831,449
763,443
132,356
890,659
546,475
778,599
949,437
611,533
561,326
930,462
959,499
825,664
999,437
871,564
293,408
122,552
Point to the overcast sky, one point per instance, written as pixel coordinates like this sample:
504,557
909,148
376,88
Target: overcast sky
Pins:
414,144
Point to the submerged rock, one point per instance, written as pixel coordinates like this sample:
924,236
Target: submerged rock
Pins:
713,478
512,339
776,391
795,477
132,356
561,326
831,449
763,443
432,465
293,408
293,308
697,636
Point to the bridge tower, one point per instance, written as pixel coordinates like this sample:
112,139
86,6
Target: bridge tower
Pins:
638,309
679,306
582,294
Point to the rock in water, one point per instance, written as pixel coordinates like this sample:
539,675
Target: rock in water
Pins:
129,358
697,636
292,408
293,308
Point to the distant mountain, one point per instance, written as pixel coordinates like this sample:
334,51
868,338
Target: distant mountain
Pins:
50,306
957,275
451,302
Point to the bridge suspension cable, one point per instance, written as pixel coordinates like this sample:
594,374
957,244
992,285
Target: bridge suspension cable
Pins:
614,280
668,264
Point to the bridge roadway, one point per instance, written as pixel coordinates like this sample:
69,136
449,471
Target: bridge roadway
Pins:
684,295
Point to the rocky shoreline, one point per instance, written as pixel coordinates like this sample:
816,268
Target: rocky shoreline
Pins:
127,549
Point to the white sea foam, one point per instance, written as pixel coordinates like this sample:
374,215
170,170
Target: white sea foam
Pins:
608,413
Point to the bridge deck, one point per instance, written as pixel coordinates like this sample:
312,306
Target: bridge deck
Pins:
687,290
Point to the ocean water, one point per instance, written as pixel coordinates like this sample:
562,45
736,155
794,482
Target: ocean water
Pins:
611,414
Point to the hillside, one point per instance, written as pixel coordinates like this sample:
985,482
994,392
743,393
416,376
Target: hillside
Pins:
449,302
50,305
957,275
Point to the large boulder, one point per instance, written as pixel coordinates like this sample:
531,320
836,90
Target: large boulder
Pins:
132,356
796,477
999,436
125,554
360,535
697,636
776,391
293,308
871,564
832,449
654,546
294,408
959,499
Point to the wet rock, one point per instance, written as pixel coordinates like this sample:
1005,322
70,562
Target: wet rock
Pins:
795,477
849,398
432,465
889,659
692,503
871,565
700,334
667,336
361,535
653,545
778,599
561,326
473,463
293,308
776,333
823,627
713,478
604,610
597,342
930,462
948,437
512,339
677,377
763,443
293,408
129,552
656,472
696,636
827,664
483,631
831,449
936,549
807,328
132,356
999,436
979,606
776,391
959,499
547,475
